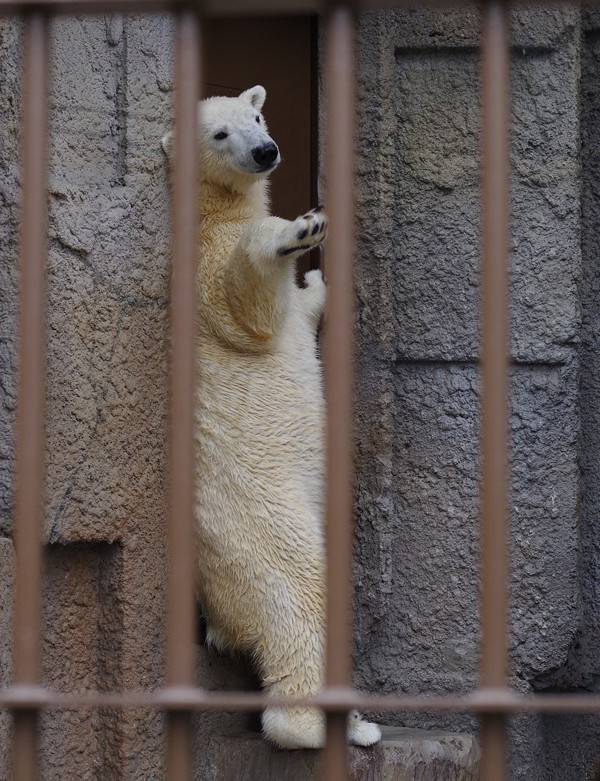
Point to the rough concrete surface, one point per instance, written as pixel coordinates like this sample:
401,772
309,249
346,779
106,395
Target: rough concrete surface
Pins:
417,381
107,318
108,273
403,755
9,195
417,396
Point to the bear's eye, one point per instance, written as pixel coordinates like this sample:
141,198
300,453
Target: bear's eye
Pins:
220,136
258,119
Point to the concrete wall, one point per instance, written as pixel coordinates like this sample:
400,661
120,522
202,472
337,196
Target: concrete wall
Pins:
107,278
417,401
417,488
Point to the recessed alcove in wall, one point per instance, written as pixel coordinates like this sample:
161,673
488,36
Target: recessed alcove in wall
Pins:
81,651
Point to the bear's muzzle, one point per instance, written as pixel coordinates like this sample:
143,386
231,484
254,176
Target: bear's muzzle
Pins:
266,155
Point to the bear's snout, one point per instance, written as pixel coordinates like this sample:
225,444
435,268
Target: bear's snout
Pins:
265,155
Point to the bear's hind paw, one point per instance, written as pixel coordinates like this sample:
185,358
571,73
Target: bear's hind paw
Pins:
361,732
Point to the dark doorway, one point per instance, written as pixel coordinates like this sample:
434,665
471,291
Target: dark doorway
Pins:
281,54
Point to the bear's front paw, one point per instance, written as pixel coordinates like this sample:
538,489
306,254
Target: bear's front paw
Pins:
304,233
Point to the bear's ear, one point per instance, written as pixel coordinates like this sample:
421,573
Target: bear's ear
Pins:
255,96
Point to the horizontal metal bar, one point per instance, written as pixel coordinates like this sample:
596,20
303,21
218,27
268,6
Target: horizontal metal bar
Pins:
338,699
212,8
206,7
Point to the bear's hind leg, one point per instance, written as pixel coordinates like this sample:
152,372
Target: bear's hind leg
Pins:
290,661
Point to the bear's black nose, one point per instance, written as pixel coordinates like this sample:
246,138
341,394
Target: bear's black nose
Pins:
265,155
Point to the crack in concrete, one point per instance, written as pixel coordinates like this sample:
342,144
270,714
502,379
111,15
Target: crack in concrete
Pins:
129,303
121,113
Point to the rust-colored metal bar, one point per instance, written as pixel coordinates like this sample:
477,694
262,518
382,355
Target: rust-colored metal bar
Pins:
214,7
209,7
492,701
495,76
181,601
29,473
339,383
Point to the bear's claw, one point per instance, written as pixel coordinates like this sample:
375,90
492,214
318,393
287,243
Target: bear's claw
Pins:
310,229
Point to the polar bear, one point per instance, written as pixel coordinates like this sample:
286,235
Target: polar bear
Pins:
259,421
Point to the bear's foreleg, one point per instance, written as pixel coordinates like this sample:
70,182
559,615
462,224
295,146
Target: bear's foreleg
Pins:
312,296
259,276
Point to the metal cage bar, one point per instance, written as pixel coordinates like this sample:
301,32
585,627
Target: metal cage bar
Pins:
218,7
180,635
30,438
495,66
339,75
480,701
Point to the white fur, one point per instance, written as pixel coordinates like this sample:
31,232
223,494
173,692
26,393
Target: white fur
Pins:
259,422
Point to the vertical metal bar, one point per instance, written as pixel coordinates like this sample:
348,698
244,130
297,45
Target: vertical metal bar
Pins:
180,640
495,74
30,438
338,373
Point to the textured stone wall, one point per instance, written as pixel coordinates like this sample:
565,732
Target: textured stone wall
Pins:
110,103
576,737
417,399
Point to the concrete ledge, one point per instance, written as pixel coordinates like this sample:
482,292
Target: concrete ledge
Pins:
403,755
417,755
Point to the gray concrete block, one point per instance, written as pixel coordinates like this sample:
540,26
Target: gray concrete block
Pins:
107,403
572,743
406,754
418,187
417,333
417,571
9,199
82,636
403,755
532,27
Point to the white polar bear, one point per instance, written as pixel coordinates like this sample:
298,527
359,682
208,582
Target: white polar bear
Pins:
259,421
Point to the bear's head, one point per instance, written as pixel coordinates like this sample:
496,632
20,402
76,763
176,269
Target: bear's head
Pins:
235,148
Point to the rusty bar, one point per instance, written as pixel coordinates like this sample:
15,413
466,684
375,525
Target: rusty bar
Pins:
335,755
482,701
209,7
181,602
339,74
215,7
29,473
495,75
